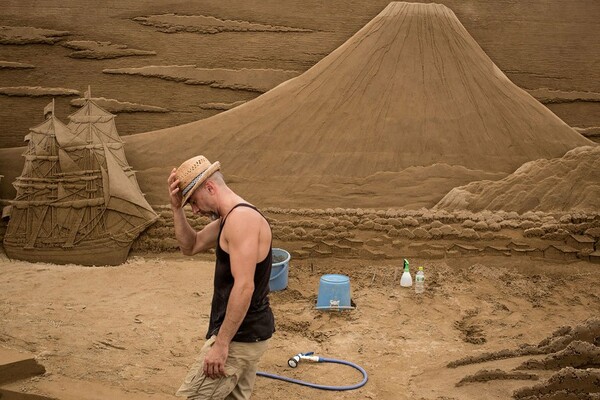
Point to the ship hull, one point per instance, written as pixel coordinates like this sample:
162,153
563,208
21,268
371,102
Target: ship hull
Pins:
93,253
78,201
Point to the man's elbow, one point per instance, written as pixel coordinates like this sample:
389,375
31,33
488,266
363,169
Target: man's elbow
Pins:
245,288
186,251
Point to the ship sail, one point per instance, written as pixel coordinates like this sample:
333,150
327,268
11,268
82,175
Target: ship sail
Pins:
131,209
96,126
34,218
77,198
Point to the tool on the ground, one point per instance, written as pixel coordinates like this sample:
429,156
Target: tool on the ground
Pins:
294,361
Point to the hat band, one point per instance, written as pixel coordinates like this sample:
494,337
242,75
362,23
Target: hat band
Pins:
191,184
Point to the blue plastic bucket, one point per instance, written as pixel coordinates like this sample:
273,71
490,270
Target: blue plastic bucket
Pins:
334,293
279,270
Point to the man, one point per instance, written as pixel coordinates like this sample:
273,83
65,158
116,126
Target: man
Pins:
241,320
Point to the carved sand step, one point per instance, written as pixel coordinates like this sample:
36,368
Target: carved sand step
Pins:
15,365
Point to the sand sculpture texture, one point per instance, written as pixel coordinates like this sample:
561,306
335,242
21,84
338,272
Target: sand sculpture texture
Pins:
571,182
411,93
77,199
412,88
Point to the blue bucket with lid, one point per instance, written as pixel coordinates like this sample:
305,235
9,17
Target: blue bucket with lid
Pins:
334,293
279,270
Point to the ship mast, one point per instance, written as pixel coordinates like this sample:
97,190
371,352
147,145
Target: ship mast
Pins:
37,186
77,197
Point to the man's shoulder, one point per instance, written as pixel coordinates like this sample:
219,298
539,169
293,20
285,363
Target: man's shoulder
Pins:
245,215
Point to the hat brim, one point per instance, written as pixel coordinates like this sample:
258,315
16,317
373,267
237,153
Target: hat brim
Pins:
204,176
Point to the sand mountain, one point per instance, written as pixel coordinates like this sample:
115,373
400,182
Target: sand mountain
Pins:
412,88
571,182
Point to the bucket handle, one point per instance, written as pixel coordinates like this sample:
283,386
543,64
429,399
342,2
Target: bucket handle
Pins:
284,269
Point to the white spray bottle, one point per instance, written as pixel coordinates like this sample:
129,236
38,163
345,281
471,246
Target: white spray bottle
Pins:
406,279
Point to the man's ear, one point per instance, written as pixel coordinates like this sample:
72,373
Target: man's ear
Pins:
210,186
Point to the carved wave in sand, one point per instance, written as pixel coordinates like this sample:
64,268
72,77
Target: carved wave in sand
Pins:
102,50
15,65
29,35
550,96
253,80
203,24
37,91
220,106
590,131
116,106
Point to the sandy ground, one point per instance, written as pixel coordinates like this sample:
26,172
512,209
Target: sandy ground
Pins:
131,331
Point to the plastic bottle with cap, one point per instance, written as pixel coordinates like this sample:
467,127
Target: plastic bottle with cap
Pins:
406,279
420,281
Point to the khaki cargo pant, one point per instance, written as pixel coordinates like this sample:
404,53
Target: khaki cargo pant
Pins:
240,367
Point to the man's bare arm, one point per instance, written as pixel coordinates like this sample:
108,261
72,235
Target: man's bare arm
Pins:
190,241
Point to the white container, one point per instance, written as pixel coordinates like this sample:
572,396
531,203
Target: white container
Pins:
420,281
406,279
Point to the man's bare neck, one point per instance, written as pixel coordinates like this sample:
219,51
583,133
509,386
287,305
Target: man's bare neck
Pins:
229,201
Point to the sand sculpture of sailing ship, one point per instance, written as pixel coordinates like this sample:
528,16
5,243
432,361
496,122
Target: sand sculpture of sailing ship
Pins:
78,200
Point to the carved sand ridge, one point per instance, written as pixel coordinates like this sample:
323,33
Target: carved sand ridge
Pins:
589,132
485,375
550,96
573,352
116,106
22,35
253,80
102,50
577,354
568,383
37,91
171,23
15,65
588,332
220,106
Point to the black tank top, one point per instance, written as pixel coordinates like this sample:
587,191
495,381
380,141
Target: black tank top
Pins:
258,323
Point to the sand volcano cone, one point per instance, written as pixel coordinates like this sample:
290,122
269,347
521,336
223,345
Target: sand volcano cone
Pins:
412,88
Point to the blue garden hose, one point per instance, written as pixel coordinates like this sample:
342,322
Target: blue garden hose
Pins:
295,360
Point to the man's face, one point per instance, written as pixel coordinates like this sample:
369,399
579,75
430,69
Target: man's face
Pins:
202,203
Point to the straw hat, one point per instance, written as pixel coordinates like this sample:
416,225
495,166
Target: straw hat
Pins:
193,173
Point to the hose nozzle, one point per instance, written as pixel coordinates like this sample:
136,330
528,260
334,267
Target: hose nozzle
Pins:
295,360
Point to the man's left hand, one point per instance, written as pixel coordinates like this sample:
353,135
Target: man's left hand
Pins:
214,362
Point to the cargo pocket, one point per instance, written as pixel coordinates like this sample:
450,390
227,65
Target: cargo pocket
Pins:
227,383
198,385
192,382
